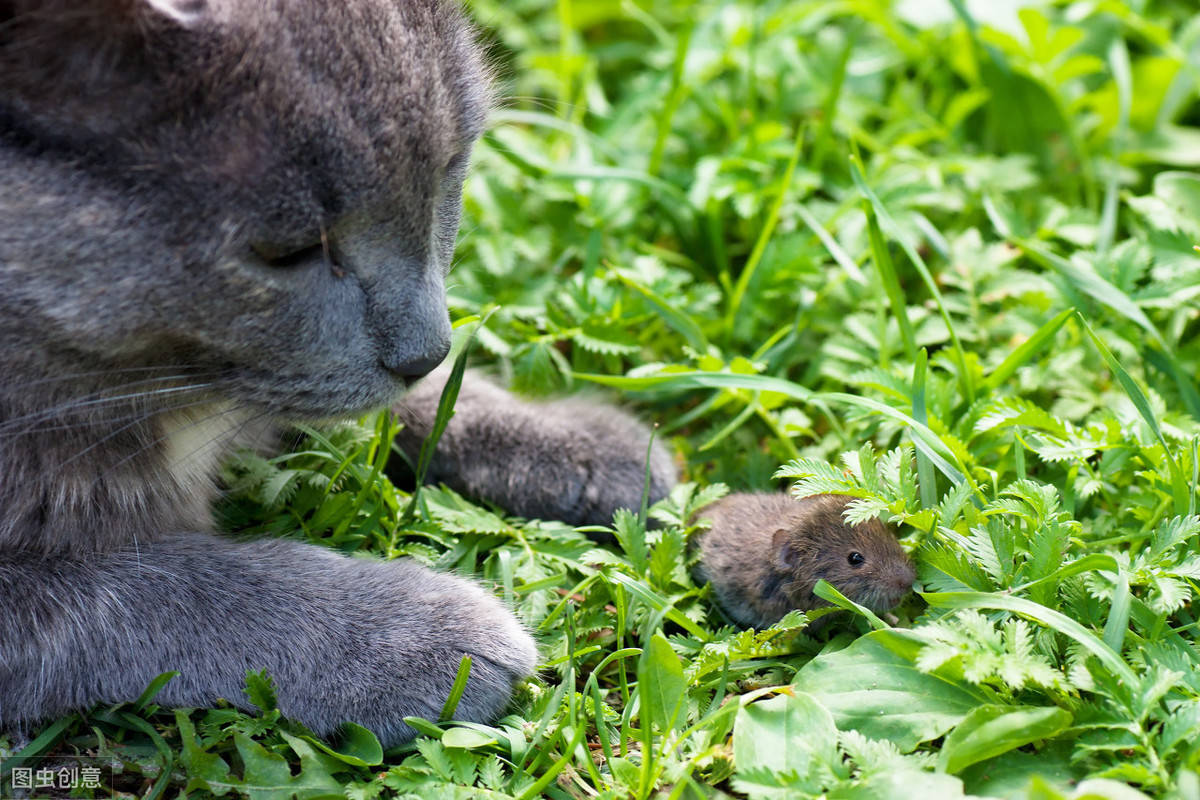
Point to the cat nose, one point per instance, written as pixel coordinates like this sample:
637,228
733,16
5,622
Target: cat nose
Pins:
408,319
413,369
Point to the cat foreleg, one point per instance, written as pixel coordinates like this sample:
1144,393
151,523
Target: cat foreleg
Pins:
345,639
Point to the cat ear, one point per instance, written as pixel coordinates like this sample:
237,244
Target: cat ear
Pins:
183,12
783,555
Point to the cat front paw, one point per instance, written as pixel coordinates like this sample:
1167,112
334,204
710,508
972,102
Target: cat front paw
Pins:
575,460
409,629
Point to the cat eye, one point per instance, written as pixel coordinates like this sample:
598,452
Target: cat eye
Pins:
856,559
284,257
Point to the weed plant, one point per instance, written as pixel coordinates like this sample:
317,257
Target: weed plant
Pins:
935,255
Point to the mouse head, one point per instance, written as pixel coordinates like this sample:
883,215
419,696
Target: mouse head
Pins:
864,561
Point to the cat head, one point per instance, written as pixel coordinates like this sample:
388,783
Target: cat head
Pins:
267,191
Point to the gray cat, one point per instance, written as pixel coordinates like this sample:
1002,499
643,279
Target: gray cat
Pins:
218,214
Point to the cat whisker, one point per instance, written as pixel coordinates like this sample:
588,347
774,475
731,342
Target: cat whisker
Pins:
546,103
92,402
136,420
74,376
101,420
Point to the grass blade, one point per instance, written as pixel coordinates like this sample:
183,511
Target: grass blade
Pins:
1026,350
764,236
890,227
1118,615
456,690
445,411
1179,485
1118,62
826,591
839,255
890,281
928,482
678,321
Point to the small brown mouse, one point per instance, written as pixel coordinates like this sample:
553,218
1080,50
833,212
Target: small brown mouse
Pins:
765,552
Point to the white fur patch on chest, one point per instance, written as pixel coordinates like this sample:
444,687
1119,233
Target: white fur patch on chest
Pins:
196,439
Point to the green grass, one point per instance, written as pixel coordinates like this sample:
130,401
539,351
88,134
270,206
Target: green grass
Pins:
939,262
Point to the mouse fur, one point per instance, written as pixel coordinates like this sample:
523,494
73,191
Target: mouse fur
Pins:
764,553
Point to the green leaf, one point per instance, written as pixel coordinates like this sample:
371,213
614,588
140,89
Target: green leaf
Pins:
764,234
155,686
874,687
445,410
1118,616
788,733
890,281
268,776
698,379
1048,617
888,225
678,321
467,738
357,746
205,770
456,689
828,592
1179,484
1026,350
901,783
991,730
260,689
661,683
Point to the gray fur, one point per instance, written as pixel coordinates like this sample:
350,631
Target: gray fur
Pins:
344,639
765,552
571,459
217,215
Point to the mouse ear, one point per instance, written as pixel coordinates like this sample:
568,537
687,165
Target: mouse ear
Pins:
783,554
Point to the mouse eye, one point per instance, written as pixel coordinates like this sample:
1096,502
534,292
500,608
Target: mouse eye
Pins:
856,559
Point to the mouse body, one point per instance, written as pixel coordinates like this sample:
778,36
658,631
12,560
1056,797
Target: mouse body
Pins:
765,552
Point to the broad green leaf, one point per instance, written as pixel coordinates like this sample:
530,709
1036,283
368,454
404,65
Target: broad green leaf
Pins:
991,730
902,783
466,738
268,776
1009,774
661,683
788,733
874,687
356,746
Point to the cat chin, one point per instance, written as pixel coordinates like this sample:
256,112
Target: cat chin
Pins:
321,402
